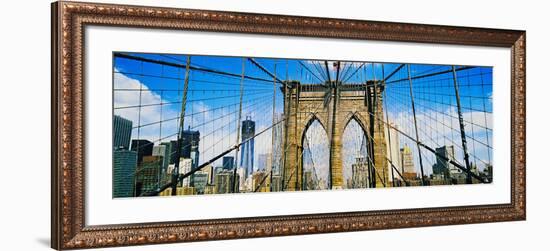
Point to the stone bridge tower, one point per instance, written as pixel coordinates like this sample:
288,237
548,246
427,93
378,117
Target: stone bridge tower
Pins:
305,103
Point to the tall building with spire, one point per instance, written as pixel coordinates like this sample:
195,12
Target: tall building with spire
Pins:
248,131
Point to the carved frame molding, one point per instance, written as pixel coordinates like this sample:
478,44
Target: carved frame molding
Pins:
69,20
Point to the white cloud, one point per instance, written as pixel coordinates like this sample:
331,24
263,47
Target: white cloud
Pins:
145,115
211,143
442,123
217,128
435,131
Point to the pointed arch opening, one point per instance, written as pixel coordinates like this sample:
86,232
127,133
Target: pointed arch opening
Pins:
355,155
315,156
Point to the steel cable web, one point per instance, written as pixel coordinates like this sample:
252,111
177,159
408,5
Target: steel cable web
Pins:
436,121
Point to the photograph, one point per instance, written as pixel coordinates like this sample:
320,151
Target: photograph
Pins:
206,125
178,123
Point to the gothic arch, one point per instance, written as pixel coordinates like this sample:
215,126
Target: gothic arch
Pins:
304,105
310,120
354,135
363,122
304,180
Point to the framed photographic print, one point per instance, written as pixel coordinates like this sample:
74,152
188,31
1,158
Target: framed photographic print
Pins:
175,125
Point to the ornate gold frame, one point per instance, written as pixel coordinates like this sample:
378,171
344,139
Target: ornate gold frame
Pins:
68,22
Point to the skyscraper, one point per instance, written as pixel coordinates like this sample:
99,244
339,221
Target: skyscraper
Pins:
124,166
209,169
360,173
260,181
394,156
242,182
163,150
199,180
169,151
223,181
173,147
143,147
189,148
248,131
442,166
148,175
228,162
185,166
407,163
264,162
122,131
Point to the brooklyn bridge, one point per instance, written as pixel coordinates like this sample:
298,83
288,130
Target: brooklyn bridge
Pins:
191,124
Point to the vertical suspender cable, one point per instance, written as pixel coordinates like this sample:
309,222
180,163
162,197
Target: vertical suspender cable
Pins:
175,172
416,126
462,132
234,178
